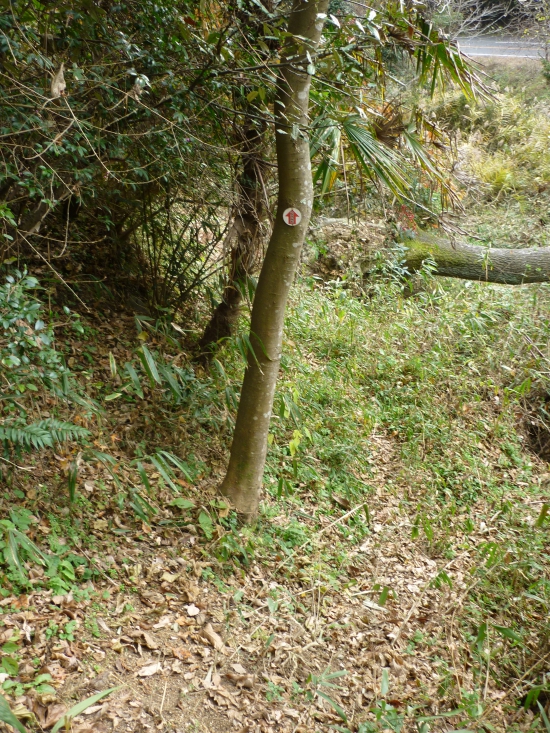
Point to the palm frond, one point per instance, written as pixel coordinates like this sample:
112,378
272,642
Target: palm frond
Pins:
379,161
330,138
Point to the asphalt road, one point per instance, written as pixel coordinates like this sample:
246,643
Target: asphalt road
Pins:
501,47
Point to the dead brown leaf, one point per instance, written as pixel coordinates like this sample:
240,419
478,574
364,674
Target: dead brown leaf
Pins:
241,680
182,653
54,713
149,670
213,638
341,501
169,577
239,669
152,598
146,638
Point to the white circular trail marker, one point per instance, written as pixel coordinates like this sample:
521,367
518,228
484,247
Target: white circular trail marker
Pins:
292,217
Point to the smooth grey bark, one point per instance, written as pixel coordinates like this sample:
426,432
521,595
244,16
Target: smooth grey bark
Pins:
243,481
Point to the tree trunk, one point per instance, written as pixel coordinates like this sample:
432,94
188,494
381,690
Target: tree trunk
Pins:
243,480
469,262
244,239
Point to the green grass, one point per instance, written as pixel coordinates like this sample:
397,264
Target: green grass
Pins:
436,374
418,403
440,381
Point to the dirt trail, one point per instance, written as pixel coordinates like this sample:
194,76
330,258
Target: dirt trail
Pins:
243,654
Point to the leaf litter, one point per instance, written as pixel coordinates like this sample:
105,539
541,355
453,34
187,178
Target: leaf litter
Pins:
255,652
229,665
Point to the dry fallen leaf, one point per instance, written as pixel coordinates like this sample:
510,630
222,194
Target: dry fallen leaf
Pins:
374,606
241,680
120,605
222,696
207,681
181,653
152,598
150,670
55,713
341,501
148,640
192,610
103,625
191,592
169,577
184,621
93,709
164,621
23,713
213,638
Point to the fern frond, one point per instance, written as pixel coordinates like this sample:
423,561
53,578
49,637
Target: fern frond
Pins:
41,434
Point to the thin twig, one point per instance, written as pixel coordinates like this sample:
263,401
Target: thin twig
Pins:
163,698
325,529
53,270
21,468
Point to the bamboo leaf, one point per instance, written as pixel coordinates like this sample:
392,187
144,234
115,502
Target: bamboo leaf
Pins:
178,463
508,633
164,471
6,716
112,364
172,383
143,476
135,379
542,516
81,707
544,717
149,365
335,705
71,481
385,683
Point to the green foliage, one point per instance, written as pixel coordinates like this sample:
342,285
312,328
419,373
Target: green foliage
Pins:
41,434
30,363
26,346
412,396
505,141
6,716
80,707
18,552
138,141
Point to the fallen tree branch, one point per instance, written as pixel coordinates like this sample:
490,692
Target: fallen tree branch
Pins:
473,262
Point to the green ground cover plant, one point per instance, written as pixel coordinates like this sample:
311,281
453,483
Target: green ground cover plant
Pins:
397,576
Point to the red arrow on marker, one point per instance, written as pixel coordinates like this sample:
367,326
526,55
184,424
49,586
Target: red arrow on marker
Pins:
292,217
